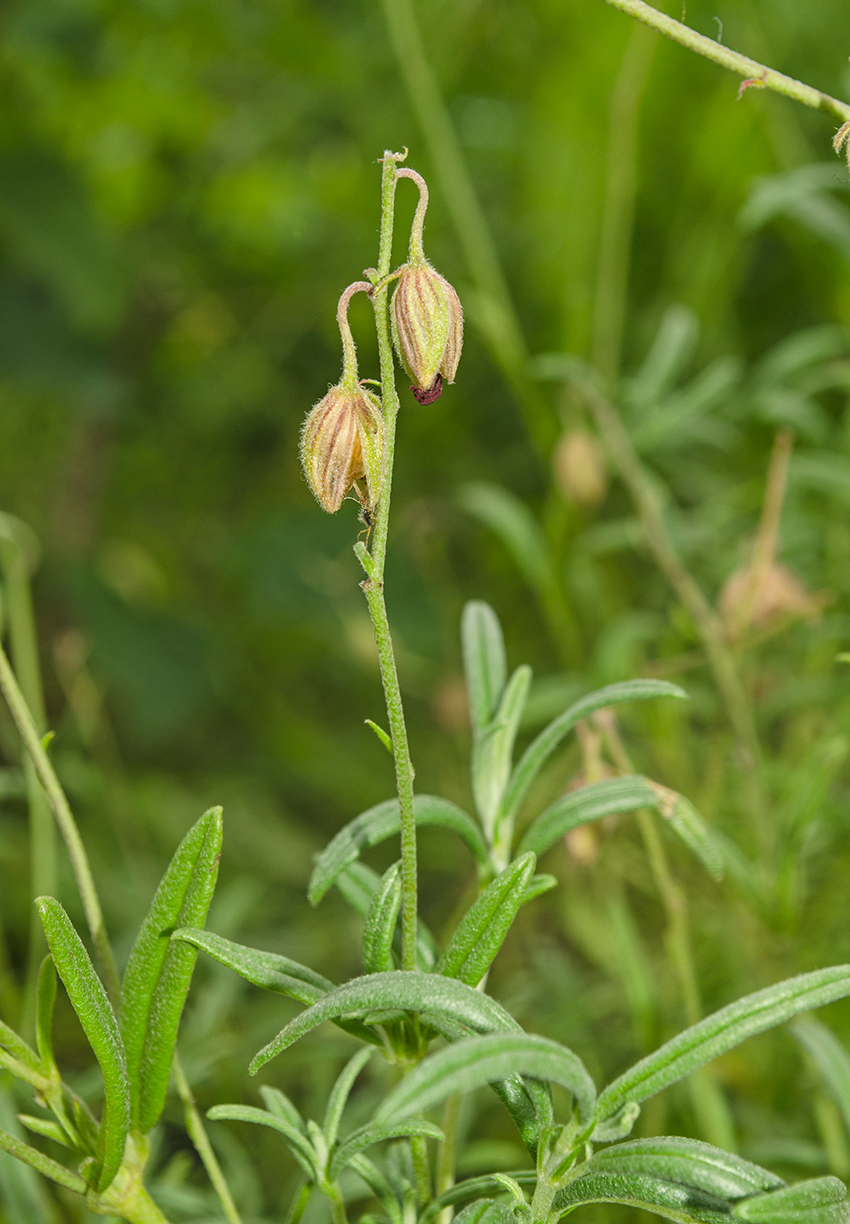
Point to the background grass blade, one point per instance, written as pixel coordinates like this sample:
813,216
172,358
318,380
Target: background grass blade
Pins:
483,661
88,998
340,1092
831,1059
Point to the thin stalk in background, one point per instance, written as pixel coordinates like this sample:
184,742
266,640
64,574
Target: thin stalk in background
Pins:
491,305
612,275
374,563
758,75
197,1133
18,559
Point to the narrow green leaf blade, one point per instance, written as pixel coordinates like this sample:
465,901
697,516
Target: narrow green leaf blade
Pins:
539,751
367,1135
822,1200
485,1211
671,1200
483,661
425,993
722,1031
492,751
586,804
473,1186
156,981
483,928
476,1061
88,998
45,1000
381,922
358,884
279,1104
831,1059
687,1161
297,1143
269,970
41,1163
382,821
339,1094
686,821
18,1048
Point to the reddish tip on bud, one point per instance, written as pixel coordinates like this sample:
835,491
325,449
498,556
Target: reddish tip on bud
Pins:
427,325
342,440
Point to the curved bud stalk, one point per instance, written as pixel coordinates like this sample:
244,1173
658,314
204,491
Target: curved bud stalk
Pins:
426,316
343,436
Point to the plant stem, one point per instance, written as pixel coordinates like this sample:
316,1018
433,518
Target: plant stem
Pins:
491,307
612,276
757,74
373,587
64,818
707,621
197,1133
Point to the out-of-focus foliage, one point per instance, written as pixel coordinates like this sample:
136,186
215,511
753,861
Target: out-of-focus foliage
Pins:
185,188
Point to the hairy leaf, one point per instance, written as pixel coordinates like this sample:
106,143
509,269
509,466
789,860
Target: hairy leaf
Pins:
43,1126
493,748
698,837
358,884
88,998
297,1143
45,1000
473,1186
483,928
18,1048
687,1161
485,1211
279,1104
539,751
476,1061
483,661
380,822
589,803
269,970
41,1163
375,1133
831,1059
721,1031
381,922
417,992
820,1201
159,970
340,1092
672,1200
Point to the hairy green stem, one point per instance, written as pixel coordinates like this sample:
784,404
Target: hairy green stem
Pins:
64,818
491,308
197,1133
757,74
373,587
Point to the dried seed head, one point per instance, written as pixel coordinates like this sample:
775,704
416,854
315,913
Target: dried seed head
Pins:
579,468
766,598
342,440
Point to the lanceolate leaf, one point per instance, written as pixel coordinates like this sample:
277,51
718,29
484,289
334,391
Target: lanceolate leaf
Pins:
687,1161
821,1201
269,970
159,970
88,998
460,1005
45,999
359,883
279,1104
367,1135
339,1094
18,1048
43,1164
381,922
472,1187
380,822
694,832
584,805
669,1199
721,1031
485,1211
831,1059
297,1143
493,749
482,930
476,1061
539,751
483,661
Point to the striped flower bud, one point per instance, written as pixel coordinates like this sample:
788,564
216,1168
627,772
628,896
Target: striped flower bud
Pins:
343,440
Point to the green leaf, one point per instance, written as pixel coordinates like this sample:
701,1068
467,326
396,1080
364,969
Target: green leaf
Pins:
41,1163
581,806
381,922
425,993
671,1200
89,1001
483,928
483,661
381,734
539,751
43,1126
379,823
820,1201
374,1133
516,526
358,884
671,351
538,885
279,1104
20,1051
339,1094
45,1000
493,750
472,1187
831,1059
298,1144
158,973
476,1061
687,1161
269,970
694,832
485,1211
530,1110
722,1031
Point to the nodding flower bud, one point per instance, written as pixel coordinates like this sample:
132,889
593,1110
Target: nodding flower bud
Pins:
343,436
426,316
342,440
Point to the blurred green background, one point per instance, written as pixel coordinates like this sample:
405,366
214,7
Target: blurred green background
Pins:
185,188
